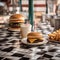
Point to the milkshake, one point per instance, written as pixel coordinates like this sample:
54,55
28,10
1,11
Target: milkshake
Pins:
25,29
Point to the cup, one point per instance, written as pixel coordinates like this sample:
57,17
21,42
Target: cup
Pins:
25,29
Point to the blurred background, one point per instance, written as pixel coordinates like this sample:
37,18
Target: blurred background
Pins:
33,10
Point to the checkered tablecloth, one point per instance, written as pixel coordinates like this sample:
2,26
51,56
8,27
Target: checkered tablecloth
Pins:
11,48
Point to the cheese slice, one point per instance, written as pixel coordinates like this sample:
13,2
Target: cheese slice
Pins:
32,40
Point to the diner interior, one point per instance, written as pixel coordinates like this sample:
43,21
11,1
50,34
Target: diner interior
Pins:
29,29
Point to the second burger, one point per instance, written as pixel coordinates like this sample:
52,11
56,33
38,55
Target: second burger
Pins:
15,22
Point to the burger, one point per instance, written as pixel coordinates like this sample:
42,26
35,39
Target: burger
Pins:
34,37
15,22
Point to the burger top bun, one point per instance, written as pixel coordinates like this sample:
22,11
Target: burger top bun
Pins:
35,35
17,18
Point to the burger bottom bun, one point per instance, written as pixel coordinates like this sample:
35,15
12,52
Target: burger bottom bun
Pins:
14,29
1,26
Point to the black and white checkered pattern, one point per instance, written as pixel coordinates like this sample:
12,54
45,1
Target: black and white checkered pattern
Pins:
12,49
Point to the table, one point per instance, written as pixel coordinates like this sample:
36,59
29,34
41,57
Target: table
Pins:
11,48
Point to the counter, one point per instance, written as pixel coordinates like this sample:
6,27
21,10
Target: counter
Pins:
11,48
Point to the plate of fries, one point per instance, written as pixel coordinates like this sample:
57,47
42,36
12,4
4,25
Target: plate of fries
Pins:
54,36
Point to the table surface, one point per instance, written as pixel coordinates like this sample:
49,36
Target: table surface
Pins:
11,48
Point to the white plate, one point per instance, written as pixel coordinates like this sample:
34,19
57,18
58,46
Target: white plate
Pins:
24,40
